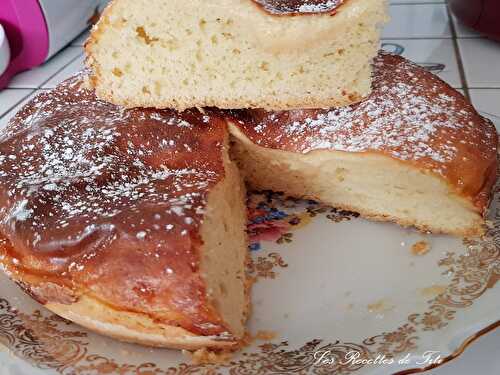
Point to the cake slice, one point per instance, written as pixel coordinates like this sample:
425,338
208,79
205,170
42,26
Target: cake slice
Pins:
415,152
128,222
235,53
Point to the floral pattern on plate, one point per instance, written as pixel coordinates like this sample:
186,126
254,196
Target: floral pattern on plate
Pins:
462,290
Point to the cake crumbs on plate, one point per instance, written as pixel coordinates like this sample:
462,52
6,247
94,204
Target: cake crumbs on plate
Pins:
265,335
262,335
380,306
207,356
420,248
433,291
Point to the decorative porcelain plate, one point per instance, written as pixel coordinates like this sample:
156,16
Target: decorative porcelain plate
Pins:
333,294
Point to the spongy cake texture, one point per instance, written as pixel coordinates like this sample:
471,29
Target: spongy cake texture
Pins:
131,222
415,152
233,54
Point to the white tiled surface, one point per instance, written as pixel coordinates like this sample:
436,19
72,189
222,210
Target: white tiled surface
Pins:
418,21
66,72
487,101
415,1
34,78
10,97
425,32
80,39
422,31
481,59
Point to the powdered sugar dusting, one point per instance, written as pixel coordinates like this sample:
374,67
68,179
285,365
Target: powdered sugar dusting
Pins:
324,6
282,7
410,115
75,168
98,199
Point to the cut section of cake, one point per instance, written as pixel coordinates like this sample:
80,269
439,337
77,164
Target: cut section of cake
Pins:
415,152
235,54
128,222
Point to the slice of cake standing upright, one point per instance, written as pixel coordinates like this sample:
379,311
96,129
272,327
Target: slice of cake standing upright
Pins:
235,53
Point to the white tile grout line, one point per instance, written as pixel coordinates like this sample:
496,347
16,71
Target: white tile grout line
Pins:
48,78
484,88
419,38
418,3
19,101
62,67
433,3
37,88
458,56
436,37
449,17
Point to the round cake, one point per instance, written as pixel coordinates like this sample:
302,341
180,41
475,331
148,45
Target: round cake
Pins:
131,222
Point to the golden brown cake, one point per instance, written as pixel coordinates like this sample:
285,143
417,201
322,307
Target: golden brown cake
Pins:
132,222
128,222
415,152
273,54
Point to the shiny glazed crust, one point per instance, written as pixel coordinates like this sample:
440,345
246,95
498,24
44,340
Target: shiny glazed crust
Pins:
109,207
411,116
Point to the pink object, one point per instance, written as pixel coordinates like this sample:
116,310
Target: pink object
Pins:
27,33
